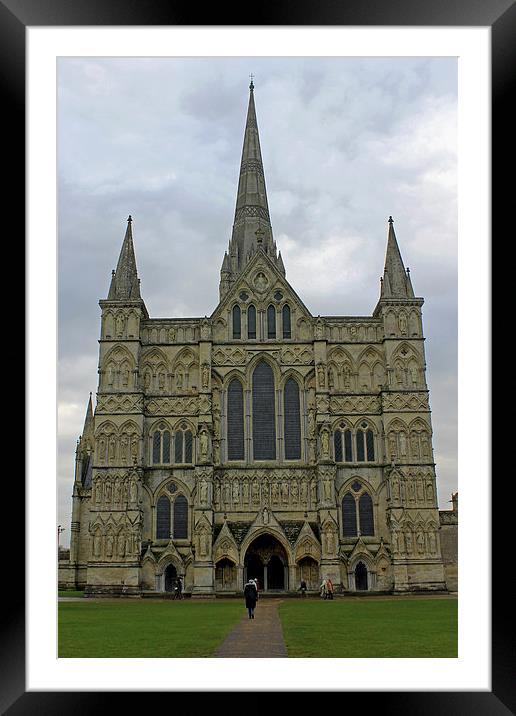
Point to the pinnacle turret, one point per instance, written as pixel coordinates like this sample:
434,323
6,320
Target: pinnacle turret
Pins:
125,285
396,281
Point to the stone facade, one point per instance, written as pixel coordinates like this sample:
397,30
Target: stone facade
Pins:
259,441
449,521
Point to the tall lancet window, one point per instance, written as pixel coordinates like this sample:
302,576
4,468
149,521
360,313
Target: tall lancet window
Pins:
349,516
365,508
251,322
235,421
237,330
163,518
292,420
264,413
271,322
287,333
180,517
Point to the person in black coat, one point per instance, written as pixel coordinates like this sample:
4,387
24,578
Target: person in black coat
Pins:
251,596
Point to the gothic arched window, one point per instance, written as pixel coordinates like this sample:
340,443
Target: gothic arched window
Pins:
370,445
343,436
161,446
271,322
287,333
349,516
163,518
348,453
360,446
156,447
337,443
251,322
264,413
365,508
235,421
237,330
183,445
178,452
180,517
292,420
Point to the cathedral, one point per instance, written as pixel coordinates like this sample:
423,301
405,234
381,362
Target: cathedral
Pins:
260,441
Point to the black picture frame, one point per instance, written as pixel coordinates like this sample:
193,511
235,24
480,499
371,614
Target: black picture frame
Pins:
500,16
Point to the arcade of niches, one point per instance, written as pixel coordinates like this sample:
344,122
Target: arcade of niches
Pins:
261,441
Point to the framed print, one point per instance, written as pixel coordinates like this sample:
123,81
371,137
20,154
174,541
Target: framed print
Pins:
124,57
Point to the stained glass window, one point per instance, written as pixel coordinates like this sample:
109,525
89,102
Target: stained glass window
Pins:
178,452
188,446
180,517
370,445
365,507
163,518
349,516
237,332
360,446
251,322
235,421
337,440
271,322
286,321
156,447
166,446
292,421
264,413
347,446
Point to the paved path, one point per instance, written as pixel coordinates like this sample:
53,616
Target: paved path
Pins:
261,637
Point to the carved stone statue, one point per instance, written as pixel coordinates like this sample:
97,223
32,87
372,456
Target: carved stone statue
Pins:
203,441
403,324
236,491
120,323
203,492
179,379
321,375
403,444
205,376
346,376
112,448
325,443
133,490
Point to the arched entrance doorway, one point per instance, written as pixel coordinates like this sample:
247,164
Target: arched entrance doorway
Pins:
361,577
267,561
308,570
170,578
225,575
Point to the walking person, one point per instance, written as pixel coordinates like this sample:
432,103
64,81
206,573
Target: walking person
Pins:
323,588
302,588
329,588
251,597
179,588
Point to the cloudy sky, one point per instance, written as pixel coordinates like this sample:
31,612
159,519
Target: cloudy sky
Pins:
345,143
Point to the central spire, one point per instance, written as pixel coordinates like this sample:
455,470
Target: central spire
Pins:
252,209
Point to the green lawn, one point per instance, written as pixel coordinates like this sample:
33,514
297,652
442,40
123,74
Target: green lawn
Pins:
367,628
69,593
141,628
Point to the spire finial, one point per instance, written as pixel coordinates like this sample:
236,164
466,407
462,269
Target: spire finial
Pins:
251,86
391,220
129,220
